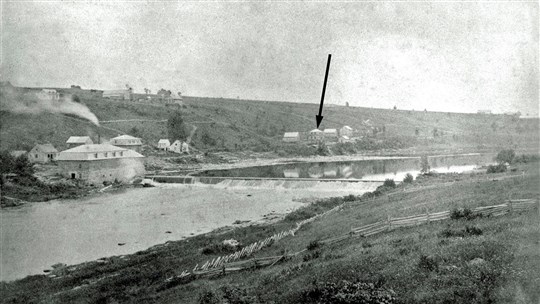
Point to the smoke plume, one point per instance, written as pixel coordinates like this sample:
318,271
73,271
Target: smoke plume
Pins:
15,101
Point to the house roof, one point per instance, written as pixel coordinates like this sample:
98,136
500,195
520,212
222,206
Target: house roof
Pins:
291,134
17,153
164,141
81,152
78,139
45,148
125,137
330,131
345,137
347,128
315,131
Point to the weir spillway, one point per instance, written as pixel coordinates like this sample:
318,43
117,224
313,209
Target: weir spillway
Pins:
187,179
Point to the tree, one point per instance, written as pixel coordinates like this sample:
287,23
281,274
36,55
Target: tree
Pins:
424,163
176,128
17,165
505,156
346,103
76,98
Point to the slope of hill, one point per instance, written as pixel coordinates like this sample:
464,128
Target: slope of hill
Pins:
240,125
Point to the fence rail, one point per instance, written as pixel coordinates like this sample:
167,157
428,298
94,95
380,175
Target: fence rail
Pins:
233,262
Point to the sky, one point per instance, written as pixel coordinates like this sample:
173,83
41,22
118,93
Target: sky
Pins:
439,56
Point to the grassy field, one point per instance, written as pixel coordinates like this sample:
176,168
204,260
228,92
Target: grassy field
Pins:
240,125
480,260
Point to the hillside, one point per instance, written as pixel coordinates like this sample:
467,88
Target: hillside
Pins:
464,259
240,125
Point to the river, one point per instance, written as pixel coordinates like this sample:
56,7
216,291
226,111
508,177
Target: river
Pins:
35,236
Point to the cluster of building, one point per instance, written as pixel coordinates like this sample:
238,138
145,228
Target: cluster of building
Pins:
345,134
169,98
177,146
117,160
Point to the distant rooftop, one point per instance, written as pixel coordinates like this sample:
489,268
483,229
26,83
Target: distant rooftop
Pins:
77,139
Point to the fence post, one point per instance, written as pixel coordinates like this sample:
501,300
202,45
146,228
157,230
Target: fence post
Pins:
427,213
389,223
510,207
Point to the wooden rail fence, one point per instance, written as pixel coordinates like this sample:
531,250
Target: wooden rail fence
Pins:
230,263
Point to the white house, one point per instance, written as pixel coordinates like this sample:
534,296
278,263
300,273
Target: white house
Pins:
174,99
42,153
124,94
163,144
330,134
74,141
315,135
127,142
346,131
49,94
291,137
179,147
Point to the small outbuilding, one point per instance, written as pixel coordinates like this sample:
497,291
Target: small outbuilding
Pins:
291,137
74,141
42,153
163,144
17,153
127,142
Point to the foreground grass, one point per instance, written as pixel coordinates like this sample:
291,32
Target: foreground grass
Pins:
441,262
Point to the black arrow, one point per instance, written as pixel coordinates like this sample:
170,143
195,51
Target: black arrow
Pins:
319,117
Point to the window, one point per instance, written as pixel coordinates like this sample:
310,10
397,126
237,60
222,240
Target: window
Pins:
80,166
114,154
121,153
95,155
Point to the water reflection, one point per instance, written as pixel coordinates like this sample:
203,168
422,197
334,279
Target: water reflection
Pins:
362,170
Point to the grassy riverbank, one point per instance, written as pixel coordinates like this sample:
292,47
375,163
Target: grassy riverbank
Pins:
481,260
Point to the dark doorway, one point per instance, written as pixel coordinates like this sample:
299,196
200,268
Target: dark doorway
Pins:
73,175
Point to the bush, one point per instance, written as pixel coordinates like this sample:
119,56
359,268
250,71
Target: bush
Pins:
311,255
389,183
505,156
465,213
347,292
408,178
428,263
217,248
313,245
500,168
209,297
424,164
524,158
467,231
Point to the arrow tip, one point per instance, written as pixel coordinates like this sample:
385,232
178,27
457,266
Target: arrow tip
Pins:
318,118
